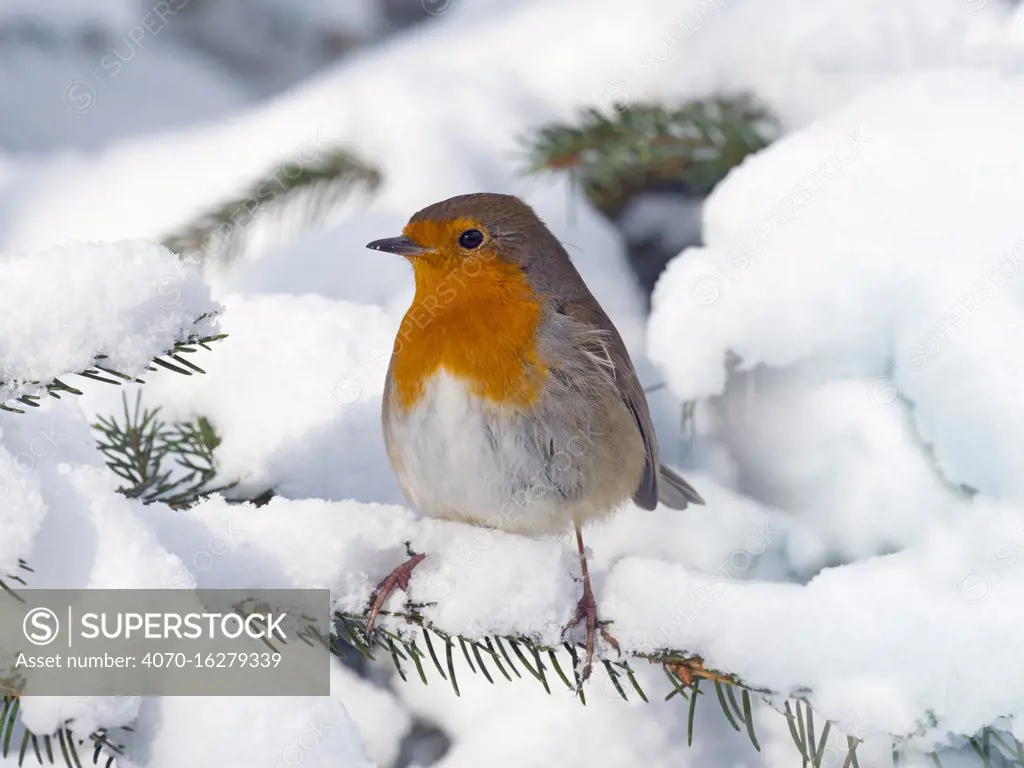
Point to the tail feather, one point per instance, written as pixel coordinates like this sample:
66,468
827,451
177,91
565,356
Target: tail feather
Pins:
675,492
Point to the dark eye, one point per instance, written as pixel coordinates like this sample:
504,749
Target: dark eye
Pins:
471,239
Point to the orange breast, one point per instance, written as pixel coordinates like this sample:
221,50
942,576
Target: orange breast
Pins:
478,322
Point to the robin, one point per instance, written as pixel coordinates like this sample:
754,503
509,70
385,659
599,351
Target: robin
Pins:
510,400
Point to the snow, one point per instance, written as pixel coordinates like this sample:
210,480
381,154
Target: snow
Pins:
132,302
358,15
81,75
67,14
267,45
863,531
880,629
915,343
90,536
274,731
314,369
384,102
375,711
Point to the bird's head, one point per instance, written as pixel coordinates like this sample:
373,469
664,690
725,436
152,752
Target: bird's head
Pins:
477,228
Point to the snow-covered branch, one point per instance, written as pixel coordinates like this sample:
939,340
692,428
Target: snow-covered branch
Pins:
105,312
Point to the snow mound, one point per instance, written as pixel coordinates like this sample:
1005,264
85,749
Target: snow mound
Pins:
313,369
864,271
905,254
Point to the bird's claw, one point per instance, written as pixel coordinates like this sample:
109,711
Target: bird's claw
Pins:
586,613
397,579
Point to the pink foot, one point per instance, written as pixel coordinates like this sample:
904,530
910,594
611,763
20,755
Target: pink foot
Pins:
586,611
397,579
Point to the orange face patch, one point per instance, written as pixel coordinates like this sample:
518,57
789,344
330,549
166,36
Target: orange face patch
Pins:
442,238
474,315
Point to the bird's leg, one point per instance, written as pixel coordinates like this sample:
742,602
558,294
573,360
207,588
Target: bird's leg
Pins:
586,610
397,579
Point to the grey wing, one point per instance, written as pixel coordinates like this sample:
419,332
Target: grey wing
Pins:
632,394
607,347
657,483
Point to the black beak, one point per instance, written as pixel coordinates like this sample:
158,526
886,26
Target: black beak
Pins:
403,246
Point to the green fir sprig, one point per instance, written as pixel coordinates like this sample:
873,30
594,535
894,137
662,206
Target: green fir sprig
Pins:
159,461
296,193
30,748
613,156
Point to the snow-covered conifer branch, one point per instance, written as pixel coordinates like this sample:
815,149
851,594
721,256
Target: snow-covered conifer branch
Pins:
171,360
421,644
116,310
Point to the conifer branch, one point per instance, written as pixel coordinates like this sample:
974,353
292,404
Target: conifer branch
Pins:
103,373
297,194
98,745
172,463
423,647
35,749
437,653
15,578
514,653
650,146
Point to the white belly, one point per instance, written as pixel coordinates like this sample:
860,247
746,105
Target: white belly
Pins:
459,458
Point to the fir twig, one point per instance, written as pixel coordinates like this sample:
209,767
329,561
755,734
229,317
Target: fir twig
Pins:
650,146
5,587
172,463
102,748
11,704
298,194
56,386
683,671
